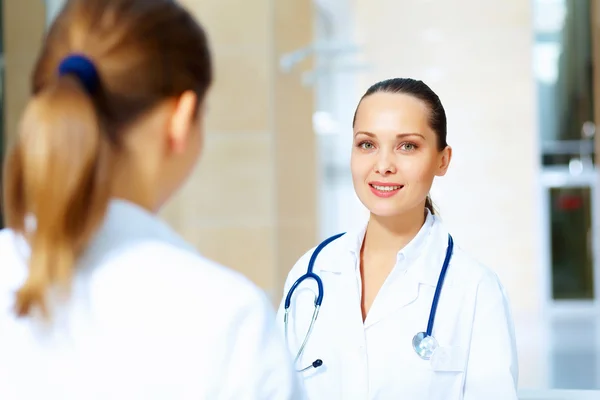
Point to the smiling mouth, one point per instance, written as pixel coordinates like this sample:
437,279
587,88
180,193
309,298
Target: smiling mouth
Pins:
386,188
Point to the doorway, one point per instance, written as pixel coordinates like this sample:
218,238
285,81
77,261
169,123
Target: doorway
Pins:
564,63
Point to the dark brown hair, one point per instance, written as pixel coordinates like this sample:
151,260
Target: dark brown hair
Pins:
59,171
419,90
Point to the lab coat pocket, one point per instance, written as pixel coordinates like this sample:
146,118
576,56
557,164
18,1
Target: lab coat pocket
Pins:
449,359
448,365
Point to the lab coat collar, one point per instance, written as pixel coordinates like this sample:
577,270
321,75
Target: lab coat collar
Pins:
126,223
423,265
353,241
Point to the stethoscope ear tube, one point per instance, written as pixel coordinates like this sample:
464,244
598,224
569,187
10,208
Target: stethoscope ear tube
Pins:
439,286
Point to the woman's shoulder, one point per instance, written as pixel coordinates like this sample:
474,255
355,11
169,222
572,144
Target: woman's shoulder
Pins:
463,264
165,263
159,275
158,281
468,270
467,263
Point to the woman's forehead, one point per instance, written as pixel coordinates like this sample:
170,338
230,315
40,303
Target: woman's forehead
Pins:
392,114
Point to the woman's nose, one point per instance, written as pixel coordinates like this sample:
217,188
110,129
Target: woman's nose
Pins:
385,164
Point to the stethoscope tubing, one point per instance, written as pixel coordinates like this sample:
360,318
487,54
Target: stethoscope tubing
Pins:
320,294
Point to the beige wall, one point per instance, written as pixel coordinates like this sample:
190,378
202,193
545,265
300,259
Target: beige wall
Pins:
251,204
23,24
478,58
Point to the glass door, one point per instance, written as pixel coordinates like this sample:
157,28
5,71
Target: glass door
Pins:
563,66
571,254
570,213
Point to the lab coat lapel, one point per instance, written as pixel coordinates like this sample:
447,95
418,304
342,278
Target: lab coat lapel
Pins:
402,286
340,317
399,290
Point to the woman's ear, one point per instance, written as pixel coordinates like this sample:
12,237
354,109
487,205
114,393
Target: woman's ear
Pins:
444,161
183,121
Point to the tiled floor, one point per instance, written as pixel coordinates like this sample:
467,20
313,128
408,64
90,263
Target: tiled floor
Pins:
574,353
560,353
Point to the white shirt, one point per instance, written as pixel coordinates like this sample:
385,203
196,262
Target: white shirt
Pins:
473,325
147,318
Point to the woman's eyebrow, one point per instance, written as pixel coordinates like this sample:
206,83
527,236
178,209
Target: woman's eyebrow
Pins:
398,136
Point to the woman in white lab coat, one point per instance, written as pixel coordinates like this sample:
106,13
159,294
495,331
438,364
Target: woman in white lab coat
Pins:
98,298
379,281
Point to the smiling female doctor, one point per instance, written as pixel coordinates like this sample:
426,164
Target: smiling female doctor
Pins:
99,299
379,283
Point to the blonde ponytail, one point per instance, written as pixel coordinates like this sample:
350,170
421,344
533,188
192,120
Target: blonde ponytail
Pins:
57,174
103,66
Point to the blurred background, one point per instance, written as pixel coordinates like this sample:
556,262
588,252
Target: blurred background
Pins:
519,81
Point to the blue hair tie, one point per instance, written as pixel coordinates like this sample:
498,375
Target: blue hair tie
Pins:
83,68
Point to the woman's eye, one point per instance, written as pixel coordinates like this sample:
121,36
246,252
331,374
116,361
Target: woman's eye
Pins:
408,147
366,145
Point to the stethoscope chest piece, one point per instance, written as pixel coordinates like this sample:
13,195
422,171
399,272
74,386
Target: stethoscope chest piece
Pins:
424,345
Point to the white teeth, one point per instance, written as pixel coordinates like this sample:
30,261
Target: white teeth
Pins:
386,188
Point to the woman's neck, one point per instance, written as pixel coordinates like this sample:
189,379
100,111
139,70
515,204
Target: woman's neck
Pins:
132,182
392,234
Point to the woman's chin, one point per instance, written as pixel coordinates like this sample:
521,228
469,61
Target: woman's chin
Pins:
385,211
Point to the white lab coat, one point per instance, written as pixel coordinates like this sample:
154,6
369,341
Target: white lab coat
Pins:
375,360
147,318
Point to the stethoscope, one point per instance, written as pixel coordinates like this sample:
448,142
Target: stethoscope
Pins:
423,343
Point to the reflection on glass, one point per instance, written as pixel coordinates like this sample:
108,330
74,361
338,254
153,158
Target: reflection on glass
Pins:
571,227
564,75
